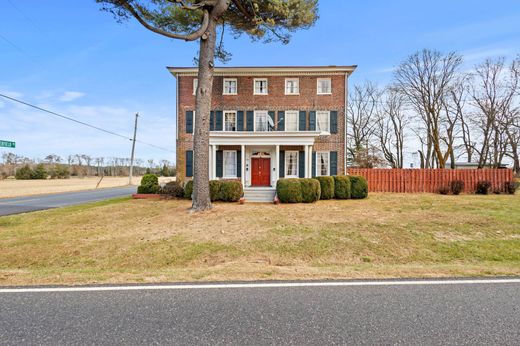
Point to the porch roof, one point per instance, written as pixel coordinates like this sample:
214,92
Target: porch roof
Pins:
263,138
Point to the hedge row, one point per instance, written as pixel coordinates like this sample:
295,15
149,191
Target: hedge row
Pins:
294,190
219,190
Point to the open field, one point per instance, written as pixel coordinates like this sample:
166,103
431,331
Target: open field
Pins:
386,235
18,188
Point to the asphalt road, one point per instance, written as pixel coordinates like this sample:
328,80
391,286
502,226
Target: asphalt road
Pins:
424,314
19,205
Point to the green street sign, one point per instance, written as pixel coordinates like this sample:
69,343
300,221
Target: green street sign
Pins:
7,144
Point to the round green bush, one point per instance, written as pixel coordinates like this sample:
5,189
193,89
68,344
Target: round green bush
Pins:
311,190
148,189
289,190
358,187
327,187
341,187
149,179
214,190
188,189
172,189
230,190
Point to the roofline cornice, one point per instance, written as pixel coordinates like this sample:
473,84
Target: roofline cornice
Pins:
266,70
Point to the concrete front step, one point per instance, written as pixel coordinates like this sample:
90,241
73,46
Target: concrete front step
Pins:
259,194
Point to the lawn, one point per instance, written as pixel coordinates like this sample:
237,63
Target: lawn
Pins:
386,235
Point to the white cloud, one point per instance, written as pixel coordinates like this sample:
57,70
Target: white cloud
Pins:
69,96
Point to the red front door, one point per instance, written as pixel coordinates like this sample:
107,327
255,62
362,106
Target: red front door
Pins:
261,172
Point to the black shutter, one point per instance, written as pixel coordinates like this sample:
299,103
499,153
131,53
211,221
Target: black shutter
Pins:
281,164
313,164
220,162
333,121
212,121
303,121
239,164
189,163
333,162
301,164
218,122
312,121
250,121
281,121
271,115
240,121
189,121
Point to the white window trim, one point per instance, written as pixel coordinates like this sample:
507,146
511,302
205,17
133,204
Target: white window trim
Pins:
297,164
195,85
224,86
318,166
254,120
224,120
266,86
224,164
318,88
297,120
328,121
285,85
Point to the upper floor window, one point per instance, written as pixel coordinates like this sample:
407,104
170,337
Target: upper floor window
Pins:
230,86
292,86
324,86
322,163
291,121
261,121
323,121
260,86
230,121
195,85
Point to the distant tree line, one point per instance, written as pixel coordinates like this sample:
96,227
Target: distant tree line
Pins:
55,167
452,115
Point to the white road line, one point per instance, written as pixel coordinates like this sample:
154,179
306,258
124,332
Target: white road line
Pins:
260,285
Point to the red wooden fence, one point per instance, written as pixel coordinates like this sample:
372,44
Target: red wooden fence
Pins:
429,180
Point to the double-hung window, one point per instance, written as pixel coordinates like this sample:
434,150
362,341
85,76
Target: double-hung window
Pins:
260,86
230,163
291,121
324,86
230,121
322,163
291,164
230,86
323,121
261,122
292,86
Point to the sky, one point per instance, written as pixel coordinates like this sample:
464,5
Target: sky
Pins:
71,58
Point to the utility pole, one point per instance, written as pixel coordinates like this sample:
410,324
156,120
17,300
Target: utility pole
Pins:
133,150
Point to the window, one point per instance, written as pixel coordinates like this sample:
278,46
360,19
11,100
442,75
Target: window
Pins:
291,121
291,164
261,121
230,86
230,121
324,86
323,121
230,163
260,86
322,163
195,85
292,86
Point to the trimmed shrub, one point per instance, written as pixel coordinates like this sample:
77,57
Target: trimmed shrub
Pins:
149,184
341,187
358,187
230,190
444,190
311,190
148,189
149,179
188,189
483,187
173,189
326,186
289,190
23,173
456,187
214,190
510,187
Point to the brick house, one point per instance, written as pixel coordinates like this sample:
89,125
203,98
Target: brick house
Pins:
267,123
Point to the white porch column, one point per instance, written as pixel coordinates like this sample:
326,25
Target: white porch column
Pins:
306,163
243,168
309,161
277,162
214,163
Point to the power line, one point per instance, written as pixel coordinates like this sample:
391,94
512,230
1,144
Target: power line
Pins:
12,44
83,123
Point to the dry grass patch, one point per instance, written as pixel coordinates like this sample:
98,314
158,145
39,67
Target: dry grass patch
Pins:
386,235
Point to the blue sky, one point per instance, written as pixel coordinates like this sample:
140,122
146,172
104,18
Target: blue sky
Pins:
72,58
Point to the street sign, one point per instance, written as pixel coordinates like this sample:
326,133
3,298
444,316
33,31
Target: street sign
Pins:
7,144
